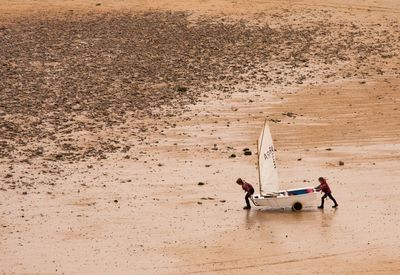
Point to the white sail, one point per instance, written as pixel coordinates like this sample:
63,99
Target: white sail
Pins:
268,172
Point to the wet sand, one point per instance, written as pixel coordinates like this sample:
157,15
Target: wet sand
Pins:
112,114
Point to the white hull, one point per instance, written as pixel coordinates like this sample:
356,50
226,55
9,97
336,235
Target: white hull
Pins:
295,199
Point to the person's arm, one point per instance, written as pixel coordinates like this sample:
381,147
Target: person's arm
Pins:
318,188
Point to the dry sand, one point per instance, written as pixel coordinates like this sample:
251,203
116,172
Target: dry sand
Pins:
112,112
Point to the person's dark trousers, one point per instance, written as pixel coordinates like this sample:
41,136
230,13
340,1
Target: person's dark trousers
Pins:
327,195
248,194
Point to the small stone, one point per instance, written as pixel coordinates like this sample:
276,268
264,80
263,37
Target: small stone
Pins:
299,159
275,120
201,183
116,201
199,202
232,156
222,201
181,89
24,193
341,163
8,176
59,156
289,114
247,153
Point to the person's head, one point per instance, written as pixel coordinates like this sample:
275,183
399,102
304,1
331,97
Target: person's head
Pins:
239,181
321,180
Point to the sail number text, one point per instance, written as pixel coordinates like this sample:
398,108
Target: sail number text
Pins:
270,154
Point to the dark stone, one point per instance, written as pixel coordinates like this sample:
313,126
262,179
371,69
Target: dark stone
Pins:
181,89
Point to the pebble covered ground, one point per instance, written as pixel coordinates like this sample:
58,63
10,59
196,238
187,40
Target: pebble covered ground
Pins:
75,74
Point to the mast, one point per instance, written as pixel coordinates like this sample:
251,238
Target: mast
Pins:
258,154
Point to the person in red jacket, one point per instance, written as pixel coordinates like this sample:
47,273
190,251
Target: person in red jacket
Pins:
324,187
249,191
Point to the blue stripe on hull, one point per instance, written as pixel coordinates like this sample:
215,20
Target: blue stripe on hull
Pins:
300,191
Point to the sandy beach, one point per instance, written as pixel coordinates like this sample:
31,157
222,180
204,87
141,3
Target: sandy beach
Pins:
123,124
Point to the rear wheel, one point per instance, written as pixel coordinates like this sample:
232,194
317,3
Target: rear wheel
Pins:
297,206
